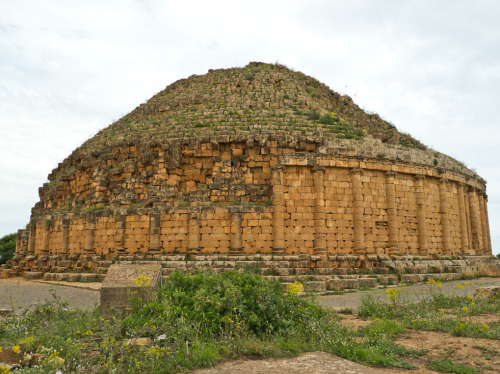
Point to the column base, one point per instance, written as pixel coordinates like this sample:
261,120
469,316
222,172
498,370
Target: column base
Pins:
320,251
279,250
235,251
193,251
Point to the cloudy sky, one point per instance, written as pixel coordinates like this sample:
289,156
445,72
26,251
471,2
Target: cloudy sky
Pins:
70,68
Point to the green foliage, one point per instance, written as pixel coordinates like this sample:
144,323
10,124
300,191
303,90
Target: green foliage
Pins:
446,366
7,247
329,119
196,321
428,314
224,303
313,115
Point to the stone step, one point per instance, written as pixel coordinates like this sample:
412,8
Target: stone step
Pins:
73,277
419,278
5,273
33,275
341,284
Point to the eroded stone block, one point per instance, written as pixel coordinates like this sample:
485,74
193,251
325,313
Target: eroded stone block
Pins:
126,281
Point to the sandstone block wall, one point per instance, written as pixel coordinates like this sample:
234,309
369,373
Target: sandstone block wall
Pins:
249,197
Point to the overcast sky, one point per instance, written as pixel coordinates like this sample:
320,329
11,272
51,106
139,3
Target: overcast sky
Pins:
70,68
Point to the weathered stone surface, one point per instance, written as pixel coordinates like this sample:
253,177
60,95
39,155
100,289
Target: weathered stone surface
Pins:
139,342
487,292
256,161
124,281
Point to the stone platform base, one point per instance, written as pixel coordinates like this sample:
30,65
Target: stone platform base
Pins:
318,272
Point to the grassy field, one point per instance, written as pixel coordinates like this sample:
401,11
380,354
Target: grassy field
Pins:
199,320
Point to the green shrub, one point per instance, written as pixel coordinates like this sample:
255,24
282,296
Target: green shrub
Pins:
446,366
7,247
221,304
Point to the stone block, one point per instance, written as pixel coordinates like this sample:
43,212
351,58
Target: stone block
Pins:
413,278
367,282
315,286
124,281
487,292
33,275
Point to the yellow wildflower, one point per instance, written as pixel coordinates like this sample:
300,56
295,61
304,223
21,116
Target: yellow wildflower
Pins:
16,348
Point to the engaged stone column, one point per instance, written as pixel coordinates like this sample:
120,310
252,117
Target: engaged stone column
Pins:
487,223
154,233
120,232
32,238
358,212
462,214
421,225
19,246
194,232
65,235
89,234
392,214
278,209
475,222
46,236
236,245
318,173
445,220
484,232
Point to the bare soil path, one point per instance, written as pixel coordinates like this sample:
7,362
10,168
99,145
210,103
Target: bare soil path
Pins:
412,293
19,294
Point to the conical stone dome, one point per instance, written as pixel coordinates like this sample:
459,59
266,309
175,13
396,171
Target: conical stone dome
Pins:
259,159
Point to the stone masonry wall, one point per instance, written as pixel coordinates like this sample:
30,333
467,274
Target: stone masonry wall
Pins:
293,202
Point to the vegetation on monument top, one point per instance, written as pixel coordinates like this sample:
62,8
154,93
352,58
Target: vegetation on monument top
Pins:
200,319
259,99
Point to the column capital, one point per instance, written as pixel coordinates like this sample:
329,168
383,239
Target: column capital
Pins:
419,176
390,173
277,167
356,171
318,169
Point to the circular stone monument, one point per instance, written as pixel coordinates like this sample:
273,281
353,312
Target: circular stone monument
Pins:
259,166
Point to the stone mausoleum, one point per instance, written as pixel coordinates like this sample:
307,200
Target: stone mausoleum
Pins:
258,167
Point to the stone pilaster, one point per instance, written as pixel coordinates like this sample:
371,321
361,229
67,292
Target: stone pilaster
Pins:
89,234
278,209
236,243
120,232
423,248
194,232
476,233
32,238
65,235
19,248
392,214
154,233
487,222
484,229
445,217
462,215
318,173
46,235
358,212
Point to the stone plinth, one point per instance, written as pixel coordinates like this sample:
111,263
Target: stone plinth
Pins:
126,281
